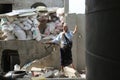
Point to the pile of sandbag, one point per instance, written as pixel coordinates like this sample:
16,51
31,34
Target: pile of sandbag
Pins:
28,24
57,18
21,27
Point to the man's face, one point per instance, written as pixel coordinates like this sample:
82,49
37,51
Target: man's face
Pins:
65,28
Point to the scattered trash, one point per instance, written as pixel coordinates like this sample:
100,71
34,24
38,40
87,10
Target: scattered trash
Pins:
83,76
69,72
16,67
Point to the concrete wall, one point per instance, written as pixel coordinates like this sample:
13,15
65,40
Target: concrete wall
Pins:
20,4
32,50
78,49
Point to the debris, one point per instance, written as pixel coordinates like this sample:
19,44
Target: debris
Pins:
56,73
11,75
69,72
83,76
35,69
48,74
16,67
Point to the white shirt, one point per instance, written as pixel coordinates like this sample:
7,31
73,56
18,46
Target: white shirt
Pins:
60,38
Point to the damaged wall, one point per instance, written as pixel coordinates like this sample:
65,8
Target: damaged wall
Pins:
31,50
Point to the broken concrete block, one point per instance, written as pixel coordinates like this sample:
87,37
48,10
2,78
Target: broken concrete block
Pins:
48,74
56,73
69,72
35,69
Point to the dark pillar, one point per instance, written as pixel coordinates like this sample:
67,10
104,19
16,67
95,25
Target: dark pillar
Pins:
103,39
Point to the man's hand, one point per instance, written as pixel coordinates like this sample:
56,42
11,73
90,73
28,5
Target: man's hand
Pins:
75,29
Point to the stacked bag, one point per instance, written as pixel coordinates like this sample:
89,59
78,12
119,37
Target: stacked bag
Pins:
22,26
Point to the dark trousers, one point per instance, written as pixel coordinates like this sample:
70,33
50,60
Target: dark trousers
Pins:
66,56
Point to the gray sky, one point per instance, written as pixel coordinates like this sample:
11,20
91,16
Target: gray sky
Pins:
77,6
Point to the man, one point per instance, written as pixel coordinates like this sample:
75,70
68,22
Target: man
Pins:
65,39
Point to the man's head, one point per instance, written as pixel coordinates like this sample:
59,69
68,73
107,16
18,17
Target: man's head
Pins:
65,27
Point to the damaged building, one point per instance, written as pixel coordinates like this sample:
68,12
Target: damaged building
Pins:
33,53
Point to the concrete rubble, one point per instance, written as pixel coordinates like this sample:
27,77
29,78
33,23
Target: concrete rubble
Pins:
49,72
44,73
31,71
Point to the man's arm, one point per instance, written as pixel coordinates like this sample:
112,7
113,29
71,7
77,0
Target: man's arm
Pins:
54,41
75,29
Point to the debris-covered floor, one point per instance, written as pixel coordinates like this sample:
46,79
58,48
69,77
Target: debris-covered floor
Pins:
46,73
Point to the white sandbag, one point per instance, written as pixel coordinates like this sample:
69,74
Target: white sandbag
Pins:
51,26
16,22
47,31
38,38
10,19
62,19
10,35
33,32
33,17
36,34
22,19
29,21
36,69
48,74
58,27
29,35
17,27
21,25
19,33
5,27
4,34
7,31
60,11
58,24
11,27
35,23
70,72
27,26
34,20
27,14
16,67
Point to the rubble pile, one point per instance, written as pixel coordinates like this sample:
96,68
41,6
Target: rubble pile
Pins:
47,72
33,72
36,73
